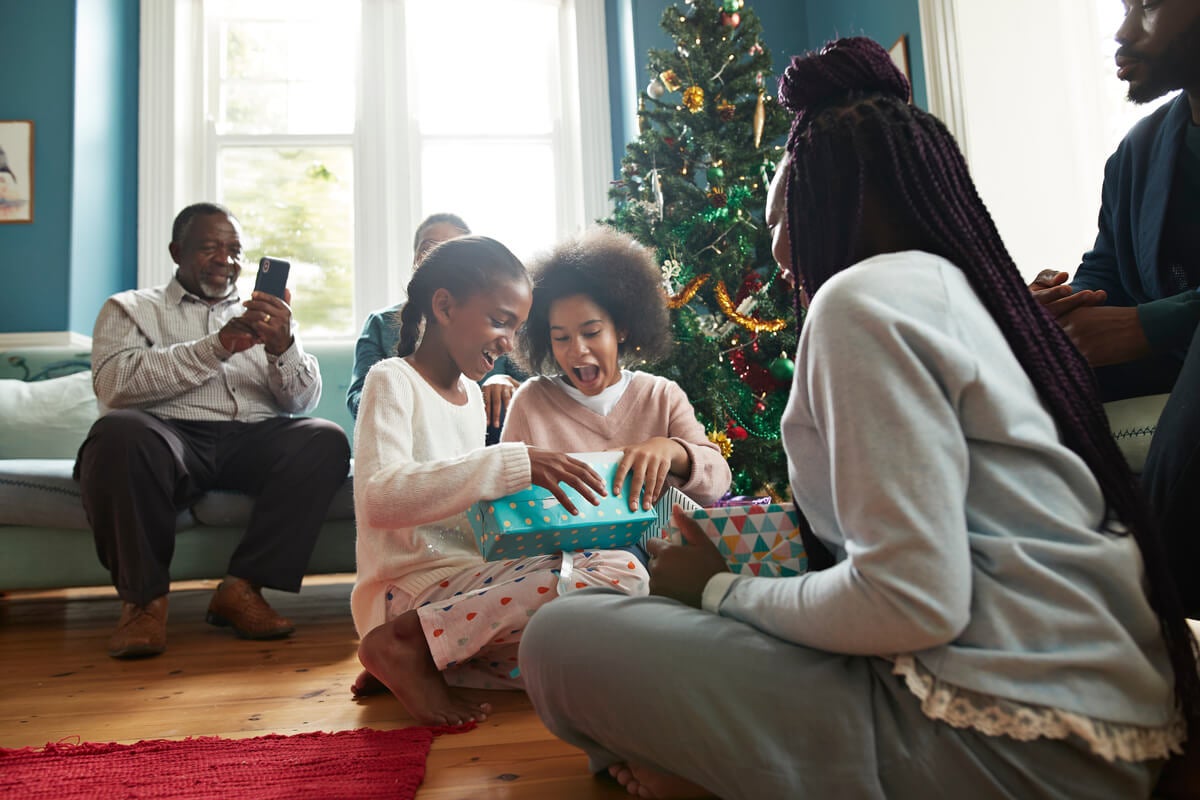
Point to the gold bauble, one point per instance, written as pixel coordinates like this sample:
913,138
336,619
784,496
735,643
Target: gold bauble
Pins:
693,99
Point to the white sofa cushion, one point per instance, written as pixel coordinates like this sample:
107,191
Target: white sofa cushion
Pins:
46,419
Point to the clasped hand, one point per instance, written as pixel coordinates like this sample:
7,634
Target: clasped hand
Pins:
267,321
1103,334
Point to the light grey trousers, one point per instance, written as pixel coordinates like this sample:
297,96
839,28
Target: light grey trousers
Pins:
746,715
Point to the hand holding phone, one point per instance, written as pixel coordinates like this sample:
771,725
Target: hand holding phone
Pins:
272,276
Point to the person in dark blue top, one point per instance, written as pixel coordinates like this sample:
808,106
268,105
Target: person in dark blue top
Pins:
382,331
1133,307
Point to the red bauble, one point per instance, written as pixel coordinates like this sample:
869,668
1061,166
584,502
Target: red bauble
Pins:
760,407
731,20
738,433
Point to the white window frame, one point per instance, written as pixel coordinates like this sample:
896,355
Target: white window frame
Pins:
176,145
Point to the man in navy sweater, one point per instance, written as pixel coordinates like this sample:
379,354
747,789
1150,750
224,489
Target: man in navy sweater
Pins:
1133,308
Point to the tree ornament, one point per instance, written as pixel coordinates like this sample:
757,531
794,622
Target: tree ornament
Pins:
731,6
715,175
759,407
755,49
782,368
670,80
736,432
656,89
721,441
656,190
717,198
670,271
693,99
760,118
731,20
749,323
725,110
687,293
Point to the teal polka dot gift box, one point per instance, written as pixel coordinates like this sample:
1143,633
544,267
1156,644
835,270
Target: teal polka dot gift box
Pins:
533,522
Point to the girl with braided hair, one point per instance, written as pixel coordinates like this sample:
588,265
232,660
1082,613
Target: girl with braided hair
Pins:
431,613
998,622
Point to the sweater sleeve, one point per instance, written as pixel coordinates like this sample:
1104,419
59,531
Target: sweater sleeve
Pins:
1170,323
1098,268
394,490
883,401
368,351
516,420
710,476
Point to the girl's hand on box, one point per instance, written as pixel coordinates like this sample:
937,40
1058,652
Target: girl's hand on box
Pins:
548,468
681,571
649,463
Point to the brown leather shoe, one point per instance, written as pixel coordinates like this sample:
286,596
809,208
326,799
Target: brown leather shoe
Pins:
240,605
142,631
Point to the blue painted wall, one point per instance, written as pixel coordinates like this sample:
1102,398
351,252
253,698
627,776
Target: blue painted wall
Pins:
71,67
104,197
882,20
38,61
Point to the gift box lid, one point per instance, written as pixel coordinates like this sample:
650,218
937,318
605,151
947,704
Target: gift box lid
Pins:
536,509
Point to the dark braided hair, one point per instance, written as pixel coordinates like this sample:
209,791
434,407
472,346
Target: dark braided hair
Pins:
463,266
854,131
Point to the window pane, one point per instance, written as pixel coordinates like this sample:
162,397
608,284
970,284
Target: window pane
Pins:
286,67
297,204
484,66
511,195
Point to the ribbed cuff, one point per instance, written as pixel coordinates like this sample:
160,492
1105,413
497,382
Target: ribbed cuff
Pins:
516,469
715,590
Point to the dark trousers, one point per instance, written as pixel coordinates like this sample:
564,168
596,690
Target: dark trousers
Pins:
1171,476
137,471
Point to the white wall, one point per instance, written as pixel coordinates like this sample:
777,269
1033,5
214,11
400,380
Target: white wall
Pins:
1034,128
1042,110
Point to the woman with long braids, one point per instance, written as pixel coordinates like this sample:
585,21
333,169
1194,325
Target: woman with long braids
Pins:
998,622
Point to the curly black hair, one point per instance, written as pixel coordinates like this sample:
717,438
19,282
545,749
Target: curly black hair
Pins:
616,273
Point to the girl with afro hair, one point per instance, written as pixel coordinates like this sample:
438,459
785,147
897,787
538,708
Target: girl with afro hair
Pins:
597,305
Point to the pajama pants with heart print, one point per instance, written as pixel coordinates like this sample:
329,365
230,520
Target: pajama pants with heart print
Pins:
473,621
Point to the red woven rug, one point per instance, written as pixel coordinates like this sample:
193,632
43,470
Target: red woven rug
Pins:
350,764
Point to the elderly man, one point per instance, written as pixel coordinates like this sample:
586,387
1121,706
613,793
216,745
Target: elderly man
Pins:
198,390
1133,307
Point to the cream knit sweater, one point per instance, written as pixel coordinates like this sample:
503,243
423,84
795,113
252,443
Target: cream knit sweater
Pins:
419,463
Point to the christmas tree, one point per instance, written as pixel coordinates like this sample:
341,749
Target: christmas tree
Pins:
693,188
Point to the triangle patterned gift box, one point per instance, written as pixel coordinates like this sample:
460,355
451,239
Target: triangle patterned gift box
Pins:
762,540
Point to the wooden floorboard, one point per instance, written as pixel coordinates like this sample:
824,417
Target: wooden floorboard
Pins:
57,684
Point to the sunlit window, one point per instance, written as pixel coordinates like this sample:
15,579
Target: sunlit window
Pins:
281,88
332,127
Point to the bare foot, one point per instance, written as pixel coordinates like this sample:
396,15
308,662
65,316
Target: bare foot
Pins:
642,781
366,684
397,655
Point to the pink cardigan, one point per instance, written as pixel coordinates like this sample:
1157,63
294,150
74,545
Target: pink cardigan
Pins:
541,414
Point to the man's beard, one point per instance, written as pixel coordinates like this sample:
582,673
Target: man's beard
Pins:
214,292
1177,67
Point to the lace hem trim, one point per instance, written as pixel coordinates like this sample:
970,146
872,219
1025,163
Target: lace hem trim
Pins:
995,716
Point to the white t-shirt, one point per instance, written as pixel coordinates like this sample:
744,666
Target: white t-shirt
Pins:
601,403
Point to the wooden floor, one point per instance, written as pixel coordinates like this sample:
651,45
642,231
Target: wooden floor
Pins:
57,684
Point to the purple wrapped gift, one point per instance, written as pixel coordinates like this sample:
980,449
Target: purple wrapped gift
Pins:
741,500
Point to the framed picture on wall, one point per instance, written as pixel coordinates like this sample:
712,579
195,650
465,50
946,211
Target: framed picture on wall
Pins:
899,54
16,170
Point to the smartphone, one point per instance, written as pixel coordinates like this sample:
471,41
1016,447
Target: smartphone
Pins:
272,276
